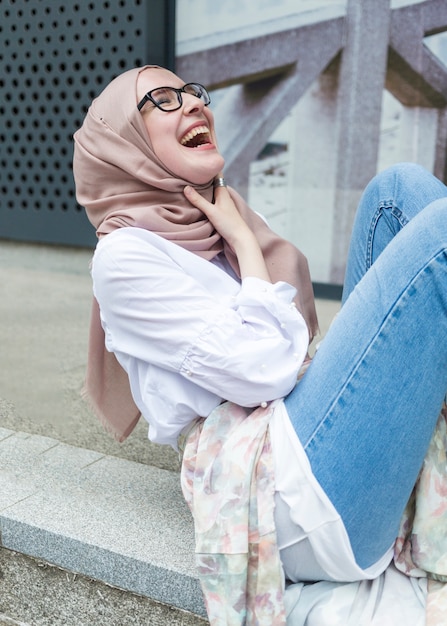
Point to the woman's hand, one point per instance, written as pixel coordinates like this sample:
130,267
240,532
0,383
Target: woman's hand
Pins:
223,215
229,223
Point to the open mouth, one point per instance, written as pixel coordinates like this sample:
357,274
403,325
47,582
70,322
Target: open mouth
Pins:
199,136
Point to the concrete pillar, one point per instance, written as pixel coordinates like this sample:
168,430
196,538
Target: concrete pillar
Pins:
440,165
362,79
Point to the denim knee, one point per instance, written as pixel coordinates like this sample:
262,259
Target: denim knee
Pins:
392,198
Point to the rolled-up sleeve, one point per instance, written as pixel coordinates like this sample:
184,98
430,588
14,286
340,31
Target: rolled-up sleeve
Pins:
253,349
242,342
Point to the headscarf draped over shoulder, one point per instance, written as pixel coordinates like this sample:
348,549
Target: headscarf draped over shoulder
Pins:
121,182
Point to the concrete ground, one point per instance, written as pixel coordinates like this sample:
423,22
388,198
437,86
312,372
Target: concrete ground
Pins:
44,319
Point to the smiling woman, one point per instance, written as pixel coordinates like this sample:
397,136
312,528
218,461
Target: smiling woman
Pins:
132,169
201,323
190,124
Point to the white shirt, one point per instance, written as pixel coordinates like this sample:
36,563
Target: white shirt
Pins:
189,334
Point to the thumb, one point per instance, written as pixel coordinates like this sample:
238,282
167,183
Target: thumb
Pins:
195,198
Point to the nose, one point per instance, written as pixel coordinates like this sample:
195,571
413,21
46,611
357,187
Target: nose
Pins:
192,104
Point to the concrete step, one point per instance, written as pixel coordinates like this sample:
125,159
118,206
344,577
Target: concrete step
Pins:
109,519
34,593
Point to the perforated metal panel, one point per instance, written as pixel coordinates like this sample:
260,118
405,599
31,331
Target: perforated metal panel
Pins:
55,57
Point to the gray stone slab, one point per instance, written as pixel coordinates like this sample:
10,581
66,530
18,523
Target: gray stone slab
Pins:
120,522
36,594
13,490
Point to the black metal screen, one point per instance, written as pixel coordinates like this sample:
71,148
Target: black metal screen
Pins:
55,57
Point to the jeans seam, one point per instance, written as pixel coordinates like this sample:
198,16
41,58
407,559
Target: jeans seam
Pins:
397,214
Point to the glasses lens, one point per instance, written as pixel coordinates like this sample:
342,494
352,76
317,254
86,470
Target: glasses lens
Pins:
195,89
165,98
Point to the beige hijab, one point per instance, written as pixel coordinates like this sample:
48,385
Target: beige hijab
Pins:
121,182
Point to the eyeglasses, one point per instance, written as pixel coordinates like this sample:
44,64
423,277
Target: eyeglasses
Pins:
170,98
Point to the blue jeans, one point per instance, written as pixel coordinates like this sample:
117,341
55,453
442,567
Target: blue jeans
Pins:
366,409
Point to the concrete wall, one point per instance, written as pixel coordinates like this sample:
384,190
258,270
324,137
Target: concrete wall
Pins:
346,87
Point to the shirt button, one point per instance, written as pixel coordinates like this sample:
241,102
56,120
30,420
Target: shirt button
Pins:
283,325
264,404
189,373
292,305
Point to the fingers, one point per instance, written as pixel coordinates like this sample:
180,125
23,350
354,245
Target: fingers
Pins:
200,202
195,198
223,213
220,191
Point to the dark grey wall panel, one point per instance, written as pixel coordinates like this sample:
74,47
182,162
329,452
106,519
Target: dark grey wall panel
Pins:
54,59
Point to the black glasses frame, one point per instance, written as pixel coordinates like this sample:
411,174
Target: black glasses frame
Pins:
203,95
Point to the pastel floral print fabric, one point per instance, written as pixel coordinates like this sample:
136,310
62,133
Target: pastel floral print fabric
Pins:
227,481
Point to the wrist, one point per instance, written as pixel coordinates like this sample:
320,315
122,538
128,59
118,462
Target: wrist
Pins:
251,260
243,241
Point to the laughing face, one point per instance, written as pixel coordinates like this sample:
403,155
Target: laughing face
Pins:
184,139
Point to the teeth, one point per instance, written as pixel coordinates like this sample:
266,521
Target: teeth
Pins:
199,130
